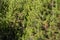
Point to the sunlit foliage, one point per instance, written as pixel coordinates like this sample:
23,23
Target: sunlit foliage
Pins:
29,20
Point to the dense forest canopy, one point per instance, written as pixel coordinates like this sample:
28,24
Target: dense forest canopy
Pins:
29,19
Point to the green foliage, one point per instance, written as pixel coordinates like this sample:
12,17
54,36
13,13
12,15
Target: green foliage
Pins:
29,20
